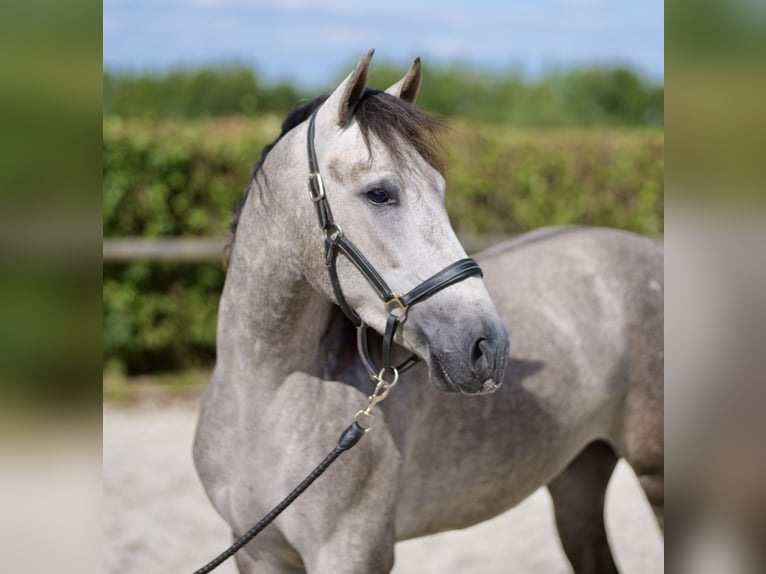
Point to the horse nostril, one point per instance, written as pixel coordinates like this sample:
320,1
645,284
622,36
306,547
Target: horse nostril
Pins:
480,350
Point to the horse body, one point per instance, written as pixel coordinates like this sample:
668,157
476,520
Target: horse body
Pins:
565,385
583,385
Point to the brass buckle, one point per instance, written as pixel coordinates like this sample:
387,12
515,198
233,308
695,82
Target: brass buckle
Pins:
399,305
315,182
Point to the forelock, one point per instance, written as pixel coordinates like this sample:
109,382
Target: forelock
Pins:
397,123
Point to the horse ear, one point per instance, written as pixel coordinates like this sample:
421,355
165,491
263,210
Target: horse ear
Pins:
407,88
346,96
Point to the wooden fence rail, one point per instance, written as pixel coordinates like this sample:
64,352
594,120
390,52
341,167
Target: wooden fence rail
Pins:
208,249
175,249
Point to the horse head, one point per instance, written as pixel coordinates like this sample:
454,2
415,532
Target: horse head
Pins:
380,173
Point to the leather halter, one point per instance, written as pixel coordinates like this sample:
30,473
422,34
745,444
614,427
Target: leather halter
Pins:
396,306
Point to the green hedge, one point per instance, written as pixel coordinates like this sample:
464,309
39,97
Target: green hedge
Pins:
184,178
591,96
170,179
506,181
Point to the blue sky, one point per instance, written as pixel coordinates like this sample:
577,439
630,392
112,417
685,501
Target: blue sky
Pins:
310,42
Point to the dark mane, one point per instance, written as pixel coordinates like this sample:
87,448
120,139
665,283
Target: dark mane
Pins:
297,116
391,120
395,122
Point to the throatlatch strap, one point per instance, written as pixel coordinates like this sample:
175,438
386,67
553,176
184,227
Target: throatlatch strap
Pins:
339,297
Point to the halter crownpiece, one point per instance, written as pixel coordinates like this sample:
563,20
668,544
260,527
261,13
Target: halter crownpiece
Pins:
396,306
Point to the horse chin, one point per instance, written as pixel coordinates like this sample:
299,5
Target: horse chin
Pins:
440,377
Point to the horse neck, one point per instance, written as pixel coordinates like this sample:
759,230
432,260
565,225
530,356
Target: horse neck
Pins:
271,320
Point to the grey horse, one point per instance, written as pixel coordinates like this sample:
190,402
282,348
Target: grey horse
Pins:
580,362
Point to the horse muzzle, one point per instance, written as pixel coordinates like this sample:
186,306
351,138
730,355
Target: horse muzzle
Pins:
474,364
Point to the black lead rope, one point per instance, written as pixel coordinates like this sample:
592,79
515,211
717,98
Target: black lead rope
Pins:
347,439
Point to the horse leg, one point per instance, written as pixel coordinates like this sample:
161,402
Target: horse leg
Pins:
652,479
246,564
265,564
357,554
578,499
268,554
349,524
344,523
641,438
642,443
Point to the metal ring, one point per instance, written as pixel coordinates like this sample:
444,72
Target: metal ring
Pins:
385,383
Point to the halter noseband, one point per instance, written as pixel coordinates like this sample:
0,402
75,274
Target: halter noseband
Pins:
396,306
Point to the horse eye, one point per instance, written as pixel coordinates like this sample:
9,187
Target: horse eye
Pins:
379,196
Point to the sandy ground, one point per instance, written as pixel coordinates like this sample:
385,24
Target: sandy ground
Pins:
158,519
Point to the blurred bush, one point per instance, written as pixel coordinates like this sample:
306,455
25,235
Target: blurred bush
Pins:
50,188
171,178
194,92
508,181
610,96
